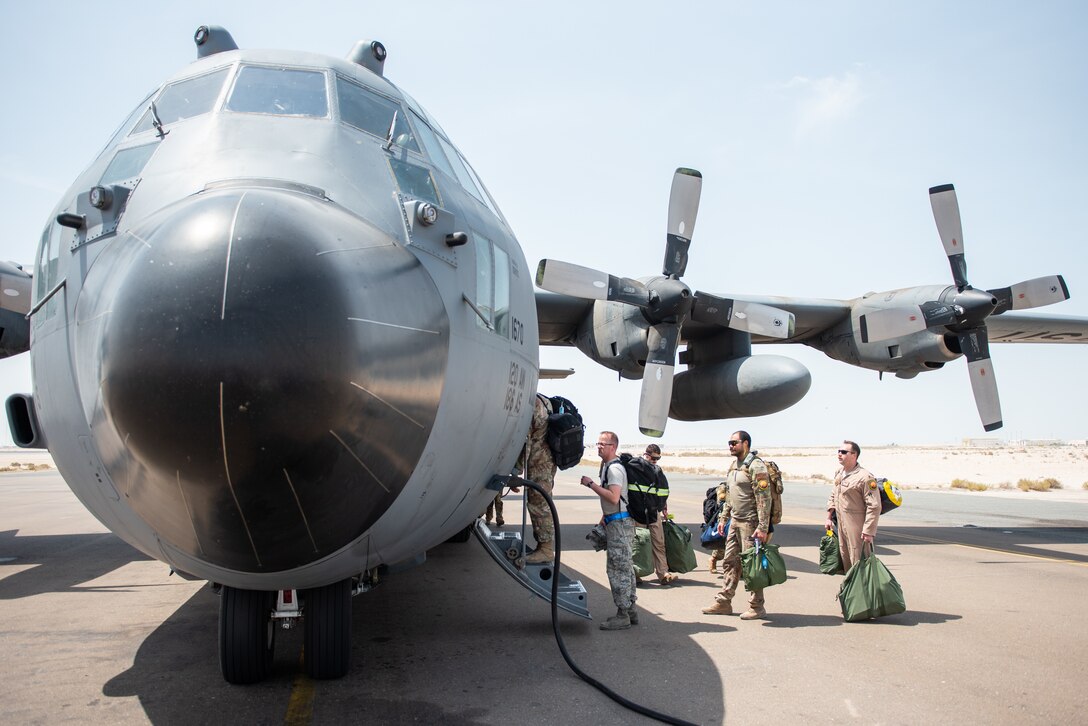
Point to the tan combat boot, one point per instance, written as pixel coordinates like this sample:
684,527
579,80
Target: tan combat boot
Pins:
753,614
713,564
632,615
543,554
719,608
620,621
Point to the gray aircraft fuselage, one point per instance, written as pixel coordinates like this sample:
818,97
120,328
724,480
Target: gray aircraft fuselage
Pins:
281,334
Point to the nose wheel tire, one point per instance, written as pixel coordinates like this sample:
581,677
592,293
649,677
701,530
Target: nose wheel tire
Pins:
247,635
327,639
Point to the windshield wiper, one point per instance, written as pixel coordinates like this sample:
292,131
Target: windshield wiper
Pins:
156,122
389,134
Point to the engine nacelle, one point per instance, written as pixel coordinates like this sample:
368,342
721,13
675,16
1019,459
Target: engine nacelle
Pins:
906,356
740,387
615,335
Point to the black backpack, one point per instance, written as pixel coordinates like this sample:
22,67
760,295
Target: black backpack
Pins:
566,432
641,488
711,506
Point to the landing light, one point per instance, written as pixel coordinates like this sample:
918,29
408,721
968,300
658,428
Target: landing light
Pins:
101,197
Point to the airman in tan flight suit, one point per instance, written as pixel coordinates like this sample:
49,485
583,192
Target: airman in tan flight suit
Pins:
855,501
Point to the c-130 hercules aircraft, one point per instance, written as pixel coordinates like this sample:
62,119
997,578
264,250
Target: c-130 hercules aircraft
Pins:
261,317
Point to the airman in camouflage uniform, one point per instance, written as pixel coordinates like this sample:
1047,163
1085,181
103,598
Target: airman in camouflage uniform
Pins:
855,500
495,510
539,465
748,504
620,532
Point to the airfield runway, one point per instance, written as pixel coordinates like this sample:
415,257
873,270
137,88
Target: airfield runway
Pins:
996,632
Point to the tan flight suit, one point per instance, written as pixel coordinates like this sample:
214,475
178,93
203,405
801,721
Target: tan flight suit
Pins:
856,502
748,505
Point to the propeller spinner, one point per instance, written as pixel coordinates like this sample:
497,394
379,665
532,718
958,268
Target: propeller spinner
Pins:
966,313
667,302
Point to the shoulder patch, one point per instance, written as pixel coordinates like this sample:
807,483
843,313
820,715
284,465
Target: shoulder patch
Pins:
763,484
872,483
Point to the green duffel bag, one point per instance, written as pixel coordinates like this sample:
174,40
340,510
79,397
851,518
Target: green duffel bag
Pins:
830,558
643,553
762,566
678,550
870,591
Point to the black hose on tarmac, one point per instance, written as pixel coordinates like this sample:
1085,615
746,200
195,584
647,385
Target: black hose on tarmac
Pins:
625,702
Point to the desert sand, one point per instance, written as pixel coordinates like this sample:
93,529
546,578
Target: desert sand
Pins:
910,467
914,466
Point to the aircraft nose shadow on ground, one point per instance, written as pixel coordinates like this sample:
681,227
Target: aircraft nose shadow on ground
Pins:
63,561
454,641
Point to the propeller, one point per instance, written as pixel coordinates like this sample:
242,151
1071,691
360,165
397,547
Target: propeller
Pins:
965,312
667,302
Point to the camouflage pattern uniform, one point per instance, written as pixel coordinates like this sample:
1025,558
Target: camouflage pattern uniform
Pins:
495,508
621,534
856,502
748,504
539,467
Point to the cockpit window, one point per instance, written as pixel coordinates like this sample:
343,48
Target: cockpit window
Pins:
492,286
430,143
465,176
374,114
46,272
279,91
184,99
127,164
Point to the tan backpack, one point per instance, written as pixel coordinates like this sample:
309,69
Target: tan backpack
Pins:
775,476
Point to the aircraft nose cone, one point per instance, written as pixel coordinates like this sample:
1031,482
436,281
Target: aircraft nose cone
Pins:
271,370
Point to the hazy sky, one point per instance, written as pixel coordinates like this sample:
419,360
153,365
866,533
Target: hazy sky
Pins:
818,128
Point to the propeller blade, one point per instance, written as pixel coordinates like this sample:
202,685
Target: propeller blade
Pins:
754,318
567,278
1030,294
896,322
687,186
946,213
976,348
656,397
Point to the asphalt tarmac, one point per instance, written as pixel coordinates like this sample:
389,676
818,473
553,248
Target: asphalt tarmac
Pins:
995,630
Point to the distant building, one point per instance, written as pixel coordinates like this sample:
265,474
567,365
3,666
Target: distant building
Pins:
983,443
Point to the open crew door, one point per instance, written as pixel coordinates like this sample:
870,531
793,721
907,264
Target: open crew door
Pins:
507,549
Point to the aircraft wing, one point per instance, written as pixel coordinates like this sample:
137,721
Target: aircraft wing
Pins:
14,305
812,316
1013,328
559,315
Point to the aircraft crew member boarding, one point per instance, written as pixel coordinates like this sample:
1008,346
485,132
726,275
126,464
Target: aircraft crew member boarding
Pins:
619,531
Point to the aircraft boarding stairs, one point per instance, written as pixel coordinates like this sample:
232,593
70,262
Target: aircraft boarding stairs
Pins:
507,548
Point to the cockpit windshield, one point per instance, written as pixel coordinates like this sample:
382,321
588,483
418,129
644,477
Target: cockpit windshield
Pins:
374,114
279,91
184,99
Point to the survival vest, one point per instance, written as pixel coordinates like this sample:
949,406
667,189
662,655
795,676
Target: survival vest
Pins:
566,432
775,476
642,489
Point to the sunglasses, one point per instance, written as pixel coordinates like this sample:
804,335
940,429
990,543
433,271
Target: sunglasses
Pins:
733,442
654,458
844,452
